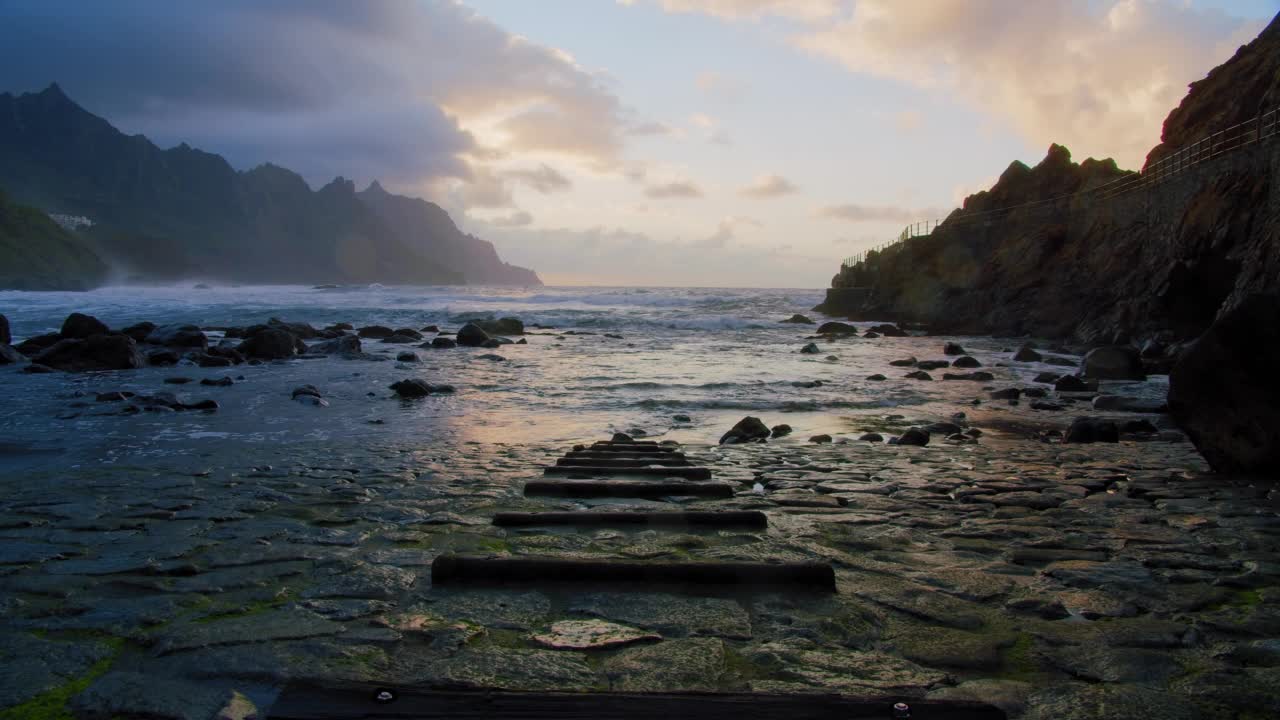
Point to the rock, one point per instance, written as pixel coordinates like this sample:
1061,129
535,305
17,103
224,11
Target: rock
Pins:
472,335
918,375
1006,394
502,326
431,328
780,430
224,381
206,360
272,344
163,357
139,331
522,341
798,319
97,352
1119,701
399,339
1026,354
681,418
933,364
820,439
952,348
406,332
184,336
1073,383
1008,695
1127,404
1060,361
591,635
6,338
966,361
37,369
492,357
1091,430
674,665
748,429
810,349
442,343
177,380
343,345
837,328
78,326
206,405
138,695
914,436
871,437
1047,378
871,334
1115,362
414,388
32,346
888,330
300,330
1138,427
407,356
980,376
1152,349
9,356
1046,405
1223,390
375,332
306,391
942,428
905,362
876,377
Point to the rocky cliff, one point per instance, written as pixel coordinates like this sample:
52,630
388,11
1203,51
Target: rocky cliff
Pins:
1163,260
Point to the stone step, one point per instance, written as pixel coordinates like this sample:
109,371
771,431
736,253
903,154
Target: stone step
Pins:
688,473
454,569
621,462
626,489
688,519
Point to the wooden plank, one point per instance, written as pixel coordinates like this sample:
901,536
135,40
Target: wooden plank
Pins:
688,473
347,700
453,569
626,488
621,462
726,518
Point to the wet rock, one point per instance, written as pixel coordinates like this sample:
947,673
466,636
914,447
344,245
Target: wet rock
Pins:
671,615
905,362
9,356
6,338
495,608
414,388
1116,362
343,345
1027,354
1107,702
224,381
134,694
952,348
857,673
933,364
492,343
183,336
517,669
1047,378
877,377
139,331
836,328
472,335
888,330
966,361
949,648
272,344
177,380
918,375
375,332
871,334
407,356
1223,390
309,395
1006,394
502,326
591,635
914,436
1112,576
810,349
871,437
1008,695
820,439
748,429
364,581
780,430
522,341
1073,383
1091,430
674,665
78,326
163,358
399,339
681,418
303,331
32,666
1138,427
32,346
1127,404
97,352
798,319
272,625
492,357
442,343
980,376
1023,498
942,428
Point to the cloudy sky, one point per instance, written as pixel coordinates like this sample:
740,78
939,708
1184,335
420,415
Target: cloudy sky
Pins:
676,142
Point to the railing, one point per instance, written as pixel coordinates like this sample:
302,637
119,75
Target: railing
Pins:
1250,132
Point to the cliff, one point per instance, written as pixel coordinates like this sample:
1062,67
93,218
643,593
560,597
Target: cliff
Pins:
184,213
1164,259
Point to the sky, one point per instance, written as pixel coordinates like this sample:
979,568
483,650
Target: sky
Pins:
750,143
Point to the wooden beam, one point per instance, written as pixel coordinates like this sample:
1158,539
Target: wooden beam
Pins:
725,518
626,489
688,473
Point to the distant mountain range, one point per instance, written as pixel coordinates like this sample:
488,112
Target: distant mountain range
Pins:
181,213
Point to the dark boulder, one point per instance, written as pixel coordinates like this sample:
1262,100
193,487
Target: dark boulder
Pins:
952,348
966,361
780,430
1027,354
888,330
1225,388
300,330
1128,404
441,343
344,345
272,344
1046,405
933,364
183,336
836,328
206,405
502,326
139,331
871,437
209,360
919,375
905,362
1047,378
408,332
33,345
97,352
414,388
5,337
399,339
1115,362
798,319
1035,392
78,326
1152,349
163,357
871,334
820,439
942,428
472,335
980,376
1091,430
914,436
1006,394
309,395
1138,427
748,429
1059,361
1073,383
431,328
9,356
876,377
224,381
115,396
492,343
376,332
37,369
810,349
407,356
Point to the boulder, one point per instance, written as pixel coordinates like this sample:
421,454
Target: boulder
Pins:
502,326
301,330
798,319
980,376
1073,383
1223,391
1114,362
78,326
914,436
876,377
32,346
871,437
1059,361
836,328
933,364
472,335
1128,404
407,332
441,343
905,362
38,369
966,361
97,352
820,439
918,375
810,349
399,339
183,336
163,357
1027,354
1006,394
871,334
272,344
431,328
952,348
414,388
1152,349
224,381
748,429
377,332
6,338
780,430
344,345
1047,378
1138,427
139,331
407,356
1091,430
888,330
9,356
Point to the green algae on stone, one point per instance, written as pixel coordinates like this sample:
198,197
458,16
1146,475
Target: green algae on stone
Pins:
52,704
692,664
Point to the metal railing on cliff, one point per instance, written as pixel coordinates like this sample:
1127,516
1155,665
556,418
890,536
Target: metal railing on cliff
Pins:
1251,132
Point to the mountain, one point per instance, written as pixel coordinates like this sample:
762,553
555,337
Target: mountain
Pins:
38,254
1163,260
184,213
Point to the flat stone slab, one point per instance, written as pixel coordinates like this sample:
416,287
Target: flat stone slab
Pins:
625,488
727,518
623,461
689,473
668,614
286,624
591,635
480,570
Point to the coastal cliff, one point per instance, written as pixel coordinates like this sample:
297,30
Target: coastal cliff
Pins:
1162,260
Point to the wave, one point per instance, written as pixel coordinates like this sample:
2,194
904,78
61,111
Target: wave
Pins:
783,406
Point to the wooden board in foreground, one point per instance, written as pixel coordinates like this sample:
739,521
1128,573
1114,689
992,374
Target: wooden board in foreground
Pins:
301,701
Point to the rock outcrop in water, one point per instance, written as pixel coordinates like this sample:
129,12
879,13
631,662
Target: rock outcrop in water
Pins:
1160,261
165,215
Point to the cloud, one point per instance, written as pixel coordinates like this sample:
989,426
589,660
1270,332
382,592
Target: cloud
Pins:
1097,77
768,186
679,189
393,90
752,9
908,121
726,231
879,213
650,128
486,189
520,218
545,179
719,86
